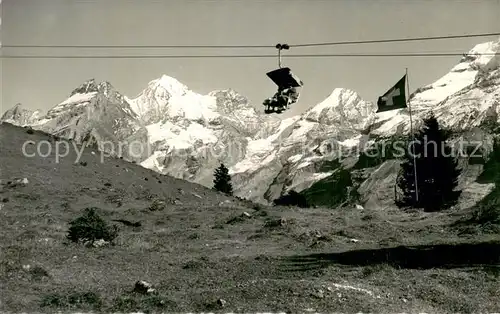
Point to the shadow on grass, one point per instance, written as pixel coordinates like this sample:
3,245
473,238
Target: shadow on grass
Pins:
415,257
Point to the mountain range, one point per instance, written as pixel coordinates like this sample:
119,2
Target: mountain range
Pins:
176,131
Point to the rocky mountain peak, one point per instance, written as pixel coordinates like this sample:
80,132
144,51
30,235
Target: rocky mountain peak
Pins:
88,86
465,97
342,107
20,116
170,85
91,86
229,100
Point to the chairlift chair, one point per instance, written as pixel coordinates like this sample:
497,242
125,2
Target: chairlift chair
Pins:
287,83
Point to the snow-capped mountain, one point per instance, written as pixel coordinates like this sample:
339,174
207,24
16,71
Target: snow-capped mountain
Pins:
289,154
291,157
21,116
190,134
152,104
187,134
194,133
466,97
343,107
91,106
465,101
95,113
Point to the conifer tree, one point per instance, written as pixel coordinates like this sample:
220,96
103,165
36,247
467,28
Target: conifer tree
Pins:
437,171
222,180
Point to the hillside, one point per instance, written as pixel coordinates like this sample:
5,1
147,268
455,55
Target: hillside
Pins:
202,253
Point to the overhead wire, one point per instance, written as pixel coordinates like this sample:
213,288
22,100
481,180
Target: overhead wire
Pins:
317,55
379,41
335,43
325,55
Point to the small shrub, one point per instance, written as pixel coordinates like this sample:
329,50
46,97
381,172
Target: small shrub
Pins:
485,213
276,223
147,304
257,207
91,227
237,219
73,300
30,130
38,273
193,264
5,200
262,213
107,184
157,205
83,163
367,217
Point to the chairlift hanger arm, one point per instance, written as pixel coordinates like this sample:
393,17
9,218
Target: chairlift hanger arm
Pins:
281,47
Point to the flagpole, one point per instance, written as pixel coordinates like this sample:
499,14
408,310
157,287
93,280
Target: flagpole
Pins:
412,135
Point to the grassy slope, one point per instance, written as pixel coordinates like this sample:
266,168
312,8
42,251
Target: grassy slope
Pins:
193,257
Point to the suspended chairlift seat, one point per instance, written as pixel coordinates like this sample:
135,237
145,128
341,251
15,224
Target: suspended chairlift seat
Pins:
287,83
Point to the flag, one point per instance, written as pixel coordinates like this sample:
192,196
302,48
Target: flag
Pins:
394,98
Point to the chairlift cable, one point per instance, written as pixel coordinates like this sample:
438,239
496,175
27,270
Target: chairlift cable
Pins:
324,55
358,42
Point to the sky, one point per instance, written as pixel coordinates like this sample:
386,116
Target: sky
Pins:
43,83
